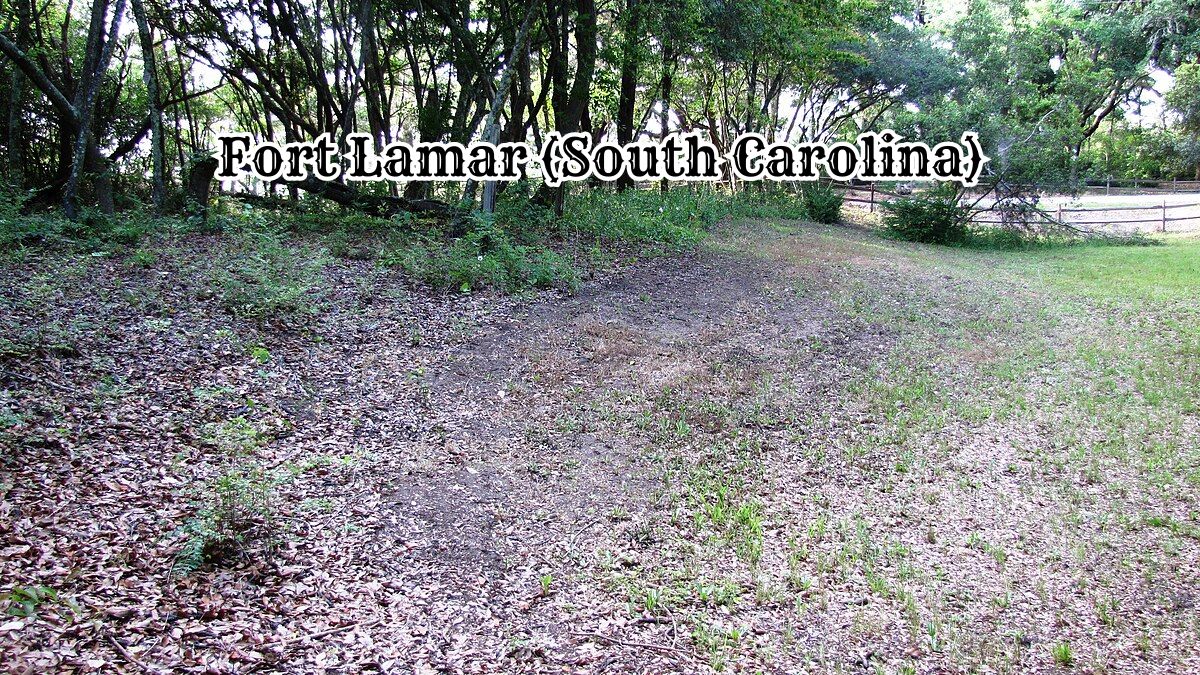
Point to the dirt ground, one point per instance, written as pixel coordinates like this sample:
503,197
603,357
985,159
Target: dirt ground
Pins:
800,449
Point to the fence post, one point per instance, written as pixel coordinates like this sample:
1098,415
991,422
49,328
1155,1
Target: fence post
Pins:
1164,215
871,209
1174,185
1108,185
1059,214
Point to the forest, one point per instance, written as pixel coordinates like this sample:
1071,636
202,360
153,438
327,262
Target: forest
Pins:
495,420
113,107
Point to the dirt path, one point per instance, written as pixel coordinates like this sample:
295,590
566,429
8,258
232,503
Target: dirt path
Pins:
802,449
537,477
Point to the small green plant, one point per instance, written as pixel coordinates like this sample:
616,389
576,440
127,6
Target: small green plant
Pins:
237,509
143,258
1062,654
260,354
716,642
724,594
24,601
546,580
1106,611
933,630
618,513
236,437
748,532
652,600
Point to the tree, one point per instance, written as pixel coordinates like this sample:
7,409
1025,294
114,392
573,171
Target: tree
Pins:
1184,100
150,77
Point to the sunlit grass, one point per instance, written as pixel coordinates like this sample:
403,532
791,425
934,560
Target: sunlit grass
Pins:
1167,272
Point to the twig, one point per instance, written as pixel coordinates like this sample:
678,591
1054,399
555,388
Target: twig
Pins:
320,634
586,526
130,657
639,645
33,380
653,619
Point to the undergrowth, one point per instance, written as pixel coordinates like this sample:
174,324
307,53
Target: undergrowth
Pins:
237,512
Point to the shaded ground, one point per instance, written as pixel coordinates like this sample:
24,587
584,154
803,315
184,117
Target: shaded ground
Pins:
801,449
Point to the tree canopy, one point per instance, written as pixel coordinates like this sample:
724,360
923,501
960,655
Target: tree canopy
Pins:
102,95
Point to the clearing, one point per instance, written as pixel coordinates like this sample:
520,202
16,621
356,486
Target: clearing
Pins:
798,449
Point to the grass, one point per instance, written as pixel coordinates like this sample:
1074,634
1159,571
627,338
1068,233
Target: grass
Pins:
1082,360
1160,273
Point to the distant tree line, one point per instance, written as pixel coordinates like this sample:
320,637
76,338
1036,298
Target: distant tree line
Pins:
116,102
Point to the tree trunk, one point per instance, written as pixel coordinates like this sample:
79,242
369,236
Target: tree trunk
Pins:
665,117
150,77
85,107
491,131
199,188
569,104
628,93
15,129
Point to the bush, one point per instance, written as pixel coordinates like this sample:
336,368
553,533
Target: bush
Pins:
518,215
822,204
260,276
237,510
485,256
768,203
677,219
932,218
93,231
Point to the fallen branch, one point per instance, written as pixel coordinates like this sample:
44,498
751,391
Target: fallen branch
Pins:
377,205
638,645
130,657
320,634
33,380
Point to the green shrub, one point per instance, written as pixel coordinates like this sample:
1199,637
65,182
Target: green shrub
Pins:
822,204
485,256
260,276
143,258
14,228
25,601
932,218
236,437
237,509
677,219
518,215
767,203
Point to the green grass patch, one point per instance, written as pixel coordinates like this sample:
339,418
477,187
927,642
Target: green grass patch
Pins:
1167,272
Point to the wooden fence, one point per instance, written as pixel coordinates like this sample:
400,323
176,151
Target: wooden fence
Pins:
1161,214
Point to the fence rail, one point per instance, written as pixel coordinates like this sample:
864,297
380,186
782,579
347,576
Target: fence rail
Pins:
875,196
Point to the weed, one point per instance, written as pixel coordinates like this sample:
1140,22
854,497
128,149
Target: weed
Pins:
618,513
716,642
1062,654
486,257
725,594
236,437
261,277
238,508
1106,611
144,258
